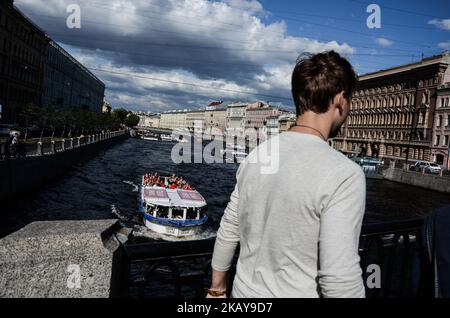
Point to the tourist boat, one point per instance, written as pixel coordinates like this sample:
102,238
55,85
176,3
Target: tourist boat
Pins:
166,138
150,137
237,152
174,212
227,151
239,155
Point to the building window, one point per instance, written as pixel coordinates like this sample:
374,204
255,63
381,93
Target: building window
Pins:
422,121
440,120
446,140
438,138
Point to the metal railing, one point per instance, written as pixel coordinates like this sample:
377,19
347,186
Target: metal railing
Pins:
51,147
183,269
394,248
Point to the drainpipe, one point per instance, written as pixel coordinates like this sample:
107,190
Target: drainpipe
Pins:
412,124
448,158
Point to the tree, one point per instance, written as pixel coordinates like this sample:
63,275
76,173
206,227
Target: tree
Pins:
132,120
120,115
67,114
28,116
47,118
70,121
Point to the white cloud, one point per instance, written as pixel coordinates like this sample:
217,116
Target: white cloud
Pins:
251,6
384,42
441,24
227,45
149,86
444,45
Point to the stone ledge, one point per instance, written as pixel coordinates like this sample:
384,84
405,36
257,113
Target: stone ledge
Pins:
62,259
417,179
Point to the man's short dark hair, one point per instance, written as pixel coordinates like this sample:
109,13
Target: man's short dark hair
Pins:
317,79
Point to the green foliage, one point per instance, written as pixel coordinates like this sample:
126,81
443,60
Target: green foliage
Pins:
120,115
29,115
68,120
124,117
132,120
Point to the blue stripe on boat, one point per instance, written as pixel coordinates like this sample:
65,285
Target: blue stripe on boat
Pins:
180,223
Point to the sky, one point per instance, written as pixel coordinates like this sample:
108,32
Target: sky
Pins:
159,55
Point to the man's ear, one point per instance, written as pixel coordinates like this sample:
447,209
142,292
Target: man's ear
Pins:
339,102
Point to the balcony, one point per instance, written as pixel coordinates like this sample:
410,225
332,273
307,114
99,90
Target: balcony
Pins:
183,269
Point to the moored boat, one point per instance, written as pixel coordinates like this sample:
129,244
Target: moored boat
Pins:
240,155
166,137
150,138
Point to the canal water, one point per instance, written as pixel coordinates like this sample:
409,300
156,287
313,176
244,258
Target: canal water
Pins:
107,187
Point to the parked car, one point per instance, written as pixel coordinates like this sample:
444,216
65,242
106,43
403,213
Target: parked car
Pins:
428,167
433,168
418,166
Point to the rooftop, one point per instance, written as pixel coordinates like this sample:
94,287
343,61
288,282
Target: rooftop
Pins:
20,13
436,59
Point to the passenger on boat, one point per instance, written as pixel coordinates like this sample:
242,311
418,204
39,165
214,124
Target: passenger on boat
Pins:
171,182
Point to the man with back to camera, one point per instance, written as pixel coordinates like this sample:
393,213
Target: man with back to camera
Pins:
299,227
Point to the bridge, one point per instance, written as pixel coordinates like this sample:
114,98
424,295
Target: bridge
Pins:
183,269
392,261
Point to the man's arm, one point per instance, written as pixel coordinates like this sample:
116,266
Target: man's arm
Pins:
340,227
219,283
226,243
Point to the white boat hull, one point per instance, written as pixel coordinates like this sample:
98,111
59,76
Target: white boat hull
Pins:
166,139
170,230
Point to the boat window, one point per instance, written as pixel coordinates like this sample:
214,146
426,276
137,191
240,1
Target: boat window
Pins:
191,213
163,212
177,213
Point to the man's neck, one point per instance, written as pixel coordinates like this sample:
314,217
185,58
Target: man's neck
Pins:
312,124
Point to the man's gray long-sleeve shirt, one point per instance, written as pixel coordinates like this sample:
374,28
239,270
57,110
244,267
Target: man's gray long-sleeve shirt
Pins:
298,225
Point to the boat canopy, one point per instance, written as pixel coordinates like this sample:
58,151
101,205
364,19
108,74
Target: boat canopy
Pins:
173,197
157,196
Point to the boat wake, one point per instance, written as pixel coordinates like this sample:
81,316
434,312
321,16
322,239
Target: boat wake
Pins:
141,231
136,187
123,219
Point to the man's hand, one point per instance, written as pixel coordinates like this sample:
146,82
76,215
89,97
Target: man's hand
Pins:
213,293
218,285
